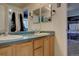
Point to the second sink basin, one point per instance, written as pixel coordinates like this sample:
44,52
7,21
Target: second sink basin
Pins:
10,37
41,34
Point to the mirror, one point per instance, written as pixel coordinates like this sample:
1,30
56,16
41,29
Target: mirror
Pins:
39,15
18,21
11,20
21,23
25,20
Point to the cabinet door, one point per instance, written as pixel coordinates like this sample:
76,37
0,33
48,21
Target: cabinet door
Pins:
46,46
51,44
6,51
38,47
24,49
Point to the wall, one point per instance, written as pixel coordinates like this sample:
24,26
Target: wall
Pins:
2,18
58,24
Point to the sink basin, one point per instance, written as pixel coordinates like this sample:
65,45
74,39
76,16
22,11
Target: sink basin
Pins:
10,37
41,34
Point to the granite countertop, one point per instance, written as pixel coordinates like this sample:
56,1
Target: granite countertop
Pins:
24,38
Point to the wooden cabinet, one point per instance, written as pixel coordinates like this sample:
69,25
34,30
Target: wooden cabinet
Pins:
38,43
48,46
24,49
43,46
6,51
51,45
38,47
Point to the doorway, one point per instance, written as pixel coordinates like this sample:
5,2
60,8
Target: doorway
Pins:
73,29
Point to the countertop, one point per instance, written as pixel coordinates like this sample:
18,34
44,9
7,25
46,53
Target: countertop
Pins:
24,38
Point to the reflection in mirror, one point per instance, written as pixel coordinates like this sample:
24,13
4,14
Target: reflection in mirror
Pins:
21,23
36,16
36,12
13,22
25,20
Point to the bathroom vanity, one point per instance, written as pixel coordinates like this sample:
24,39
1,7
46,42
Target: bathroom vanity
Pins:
28,45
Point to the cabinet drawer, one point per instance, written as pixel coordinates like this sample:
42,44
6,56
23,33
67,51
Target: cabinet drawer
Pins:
38,43
38,52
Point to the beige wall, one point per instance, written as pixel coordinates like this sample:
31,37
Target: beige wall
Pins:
58,24
2,18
